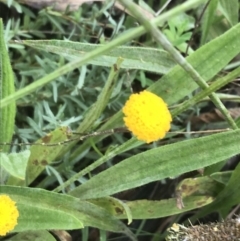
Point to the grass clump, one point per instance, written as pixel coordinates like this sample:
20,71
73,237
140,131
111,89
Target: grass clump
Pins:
64,158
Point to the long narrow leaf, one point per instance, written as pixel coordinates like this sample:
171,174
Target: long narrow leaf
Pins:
7,114
149,59
162,162
40,209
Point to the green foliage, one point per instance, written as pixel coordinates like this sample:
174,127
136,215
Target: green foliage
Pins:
8,162
8,113
76,75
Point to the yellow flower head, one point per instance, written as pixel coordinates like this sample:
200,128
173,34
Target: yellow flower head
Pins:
8,214
147,116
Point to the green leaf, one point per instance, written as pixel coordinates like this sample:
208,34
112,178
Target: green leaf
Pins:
199,186
114,206
97,108
149,59
38,217
42,155
229,196
230,10
159,163
221,177
147,209
15,163
208,19
7,114
40,209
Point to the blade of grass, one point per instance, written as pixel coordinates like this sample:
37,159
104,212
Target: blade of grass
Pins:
7,114
146,209
149,59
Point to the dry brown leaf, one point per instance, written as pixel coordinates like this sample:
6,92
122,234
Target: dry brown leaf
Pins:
208,117
214,116
62,235
234,112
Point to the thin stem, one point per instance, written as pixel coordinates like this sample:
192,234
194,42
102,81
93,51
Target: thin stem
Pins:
81,138
212,88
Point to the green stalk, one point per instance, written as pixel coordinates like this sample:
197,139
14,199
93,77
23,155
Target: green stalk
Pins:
212,88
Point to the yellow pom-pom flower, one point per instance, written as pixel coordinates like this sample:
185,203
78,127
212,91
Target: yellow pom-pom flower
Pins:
147,116
8,214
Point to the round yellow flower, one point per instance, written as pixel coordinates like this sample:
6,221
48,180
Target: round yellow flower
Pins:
8,214
147,116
